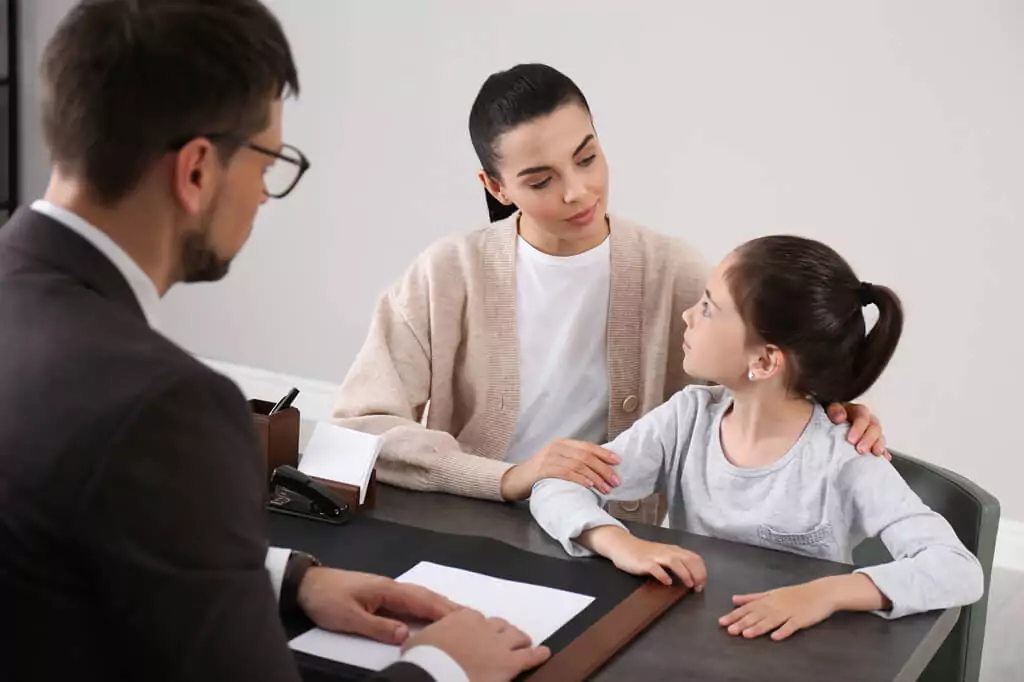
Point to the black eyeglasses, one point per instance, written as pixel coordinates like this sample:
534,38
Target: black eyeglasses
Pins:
289,166
281,177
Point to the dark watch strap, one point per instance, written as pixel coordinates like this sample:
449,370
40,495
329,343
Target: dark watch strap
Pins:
294,573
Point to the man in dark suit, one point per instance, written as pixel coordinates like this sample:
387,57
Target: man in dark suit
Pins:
132,538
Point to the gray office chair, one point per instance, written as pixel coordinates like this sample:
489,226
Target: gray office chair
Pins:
974,515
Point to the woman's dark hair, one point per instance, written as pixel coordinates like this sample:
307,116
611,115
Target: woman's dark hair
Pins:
508,99
801,296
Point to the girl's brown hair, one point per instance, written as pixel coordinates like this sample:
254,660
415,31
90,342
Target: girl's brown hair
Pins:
803,297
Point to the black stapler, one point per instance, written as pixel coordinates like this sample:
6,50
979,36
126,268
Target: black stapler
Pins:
296,494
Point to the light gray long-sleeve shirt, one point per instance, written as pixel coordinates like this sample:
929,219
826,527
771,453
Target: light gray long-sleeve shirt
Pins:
821,499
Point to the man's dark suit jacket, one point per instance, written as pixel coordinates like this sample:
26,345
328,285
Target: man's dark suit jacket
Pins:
132,526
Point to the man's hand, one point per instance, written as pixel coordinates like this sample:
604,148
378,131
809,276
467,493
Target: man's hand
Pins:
345,601
865,430
577,461
488,649
640,557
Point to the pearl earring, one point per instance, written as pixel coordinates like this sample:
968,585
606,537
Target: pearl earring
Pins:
750,375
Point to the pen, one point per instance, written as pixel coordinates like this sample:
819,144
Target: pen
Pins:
285,402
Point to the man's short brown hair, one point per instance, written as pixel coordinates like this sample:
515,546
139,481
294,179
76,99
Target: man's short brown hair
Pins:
125,81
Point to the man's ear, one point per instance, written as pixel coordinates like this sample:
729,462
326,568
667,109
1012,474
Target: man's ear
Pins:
191,173
493,187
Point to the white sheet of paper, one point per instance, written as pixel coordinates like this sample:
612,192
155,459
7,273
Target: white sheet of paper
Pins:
340,454
537,611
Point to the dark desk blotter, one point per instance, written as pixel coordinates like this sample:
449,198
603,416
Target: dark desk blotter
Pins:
384,548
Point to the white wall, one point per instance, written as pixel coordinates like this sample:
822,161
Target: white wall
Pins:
894,131
36,23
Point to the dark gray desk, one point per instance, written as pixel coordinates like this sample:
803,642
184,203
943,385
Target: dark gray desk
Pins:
687,644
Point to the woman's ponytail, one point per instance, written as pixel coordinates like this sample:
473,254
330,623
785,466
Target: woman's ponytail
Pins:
497,210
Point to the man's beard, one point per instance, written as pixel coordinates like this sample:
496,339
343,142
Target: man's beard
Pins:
199,262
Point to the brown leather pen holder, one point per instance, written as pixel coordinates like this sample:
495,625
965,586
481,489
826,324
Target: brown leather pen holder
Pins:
278,434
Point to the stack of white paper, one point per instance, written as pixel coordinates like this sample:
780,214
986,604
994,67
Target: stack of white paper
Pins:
343,455
537,611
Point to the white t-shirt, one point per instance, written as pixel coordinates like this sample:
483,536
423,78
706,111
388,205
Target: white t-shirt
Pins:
562,322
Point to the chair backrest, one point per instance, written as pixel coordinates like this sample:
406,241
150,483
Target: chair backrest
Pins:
974,515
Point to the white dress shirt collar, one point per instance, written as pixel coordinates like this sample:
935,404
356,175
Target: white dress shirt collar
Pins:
139,282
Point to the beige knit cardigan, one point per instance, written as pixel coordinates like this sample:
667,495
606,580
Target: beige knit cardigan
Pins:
444,337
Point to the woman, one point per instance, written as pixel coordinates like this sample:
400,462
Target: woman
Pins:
558,321
780,330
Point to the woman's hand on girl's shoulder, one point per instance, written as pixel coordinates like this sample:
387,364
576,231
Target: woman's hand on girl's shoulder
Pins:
865,428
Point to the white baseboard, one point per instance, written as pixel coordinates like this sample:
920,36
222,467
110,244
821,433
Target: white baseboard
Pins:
1010,545
316,399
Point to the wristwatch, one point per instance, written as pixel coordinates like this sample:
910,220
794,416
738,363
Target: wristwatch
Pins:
295,571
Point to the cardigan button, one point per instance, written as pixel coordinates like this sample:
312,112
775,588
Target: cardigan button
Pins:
630,404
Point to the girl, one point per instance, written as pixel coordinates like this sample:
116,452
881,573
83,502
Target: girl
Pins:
555,322
754,459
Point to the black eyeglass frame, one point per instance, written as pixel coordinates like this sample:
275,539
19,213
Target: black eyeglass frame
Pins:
302,162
